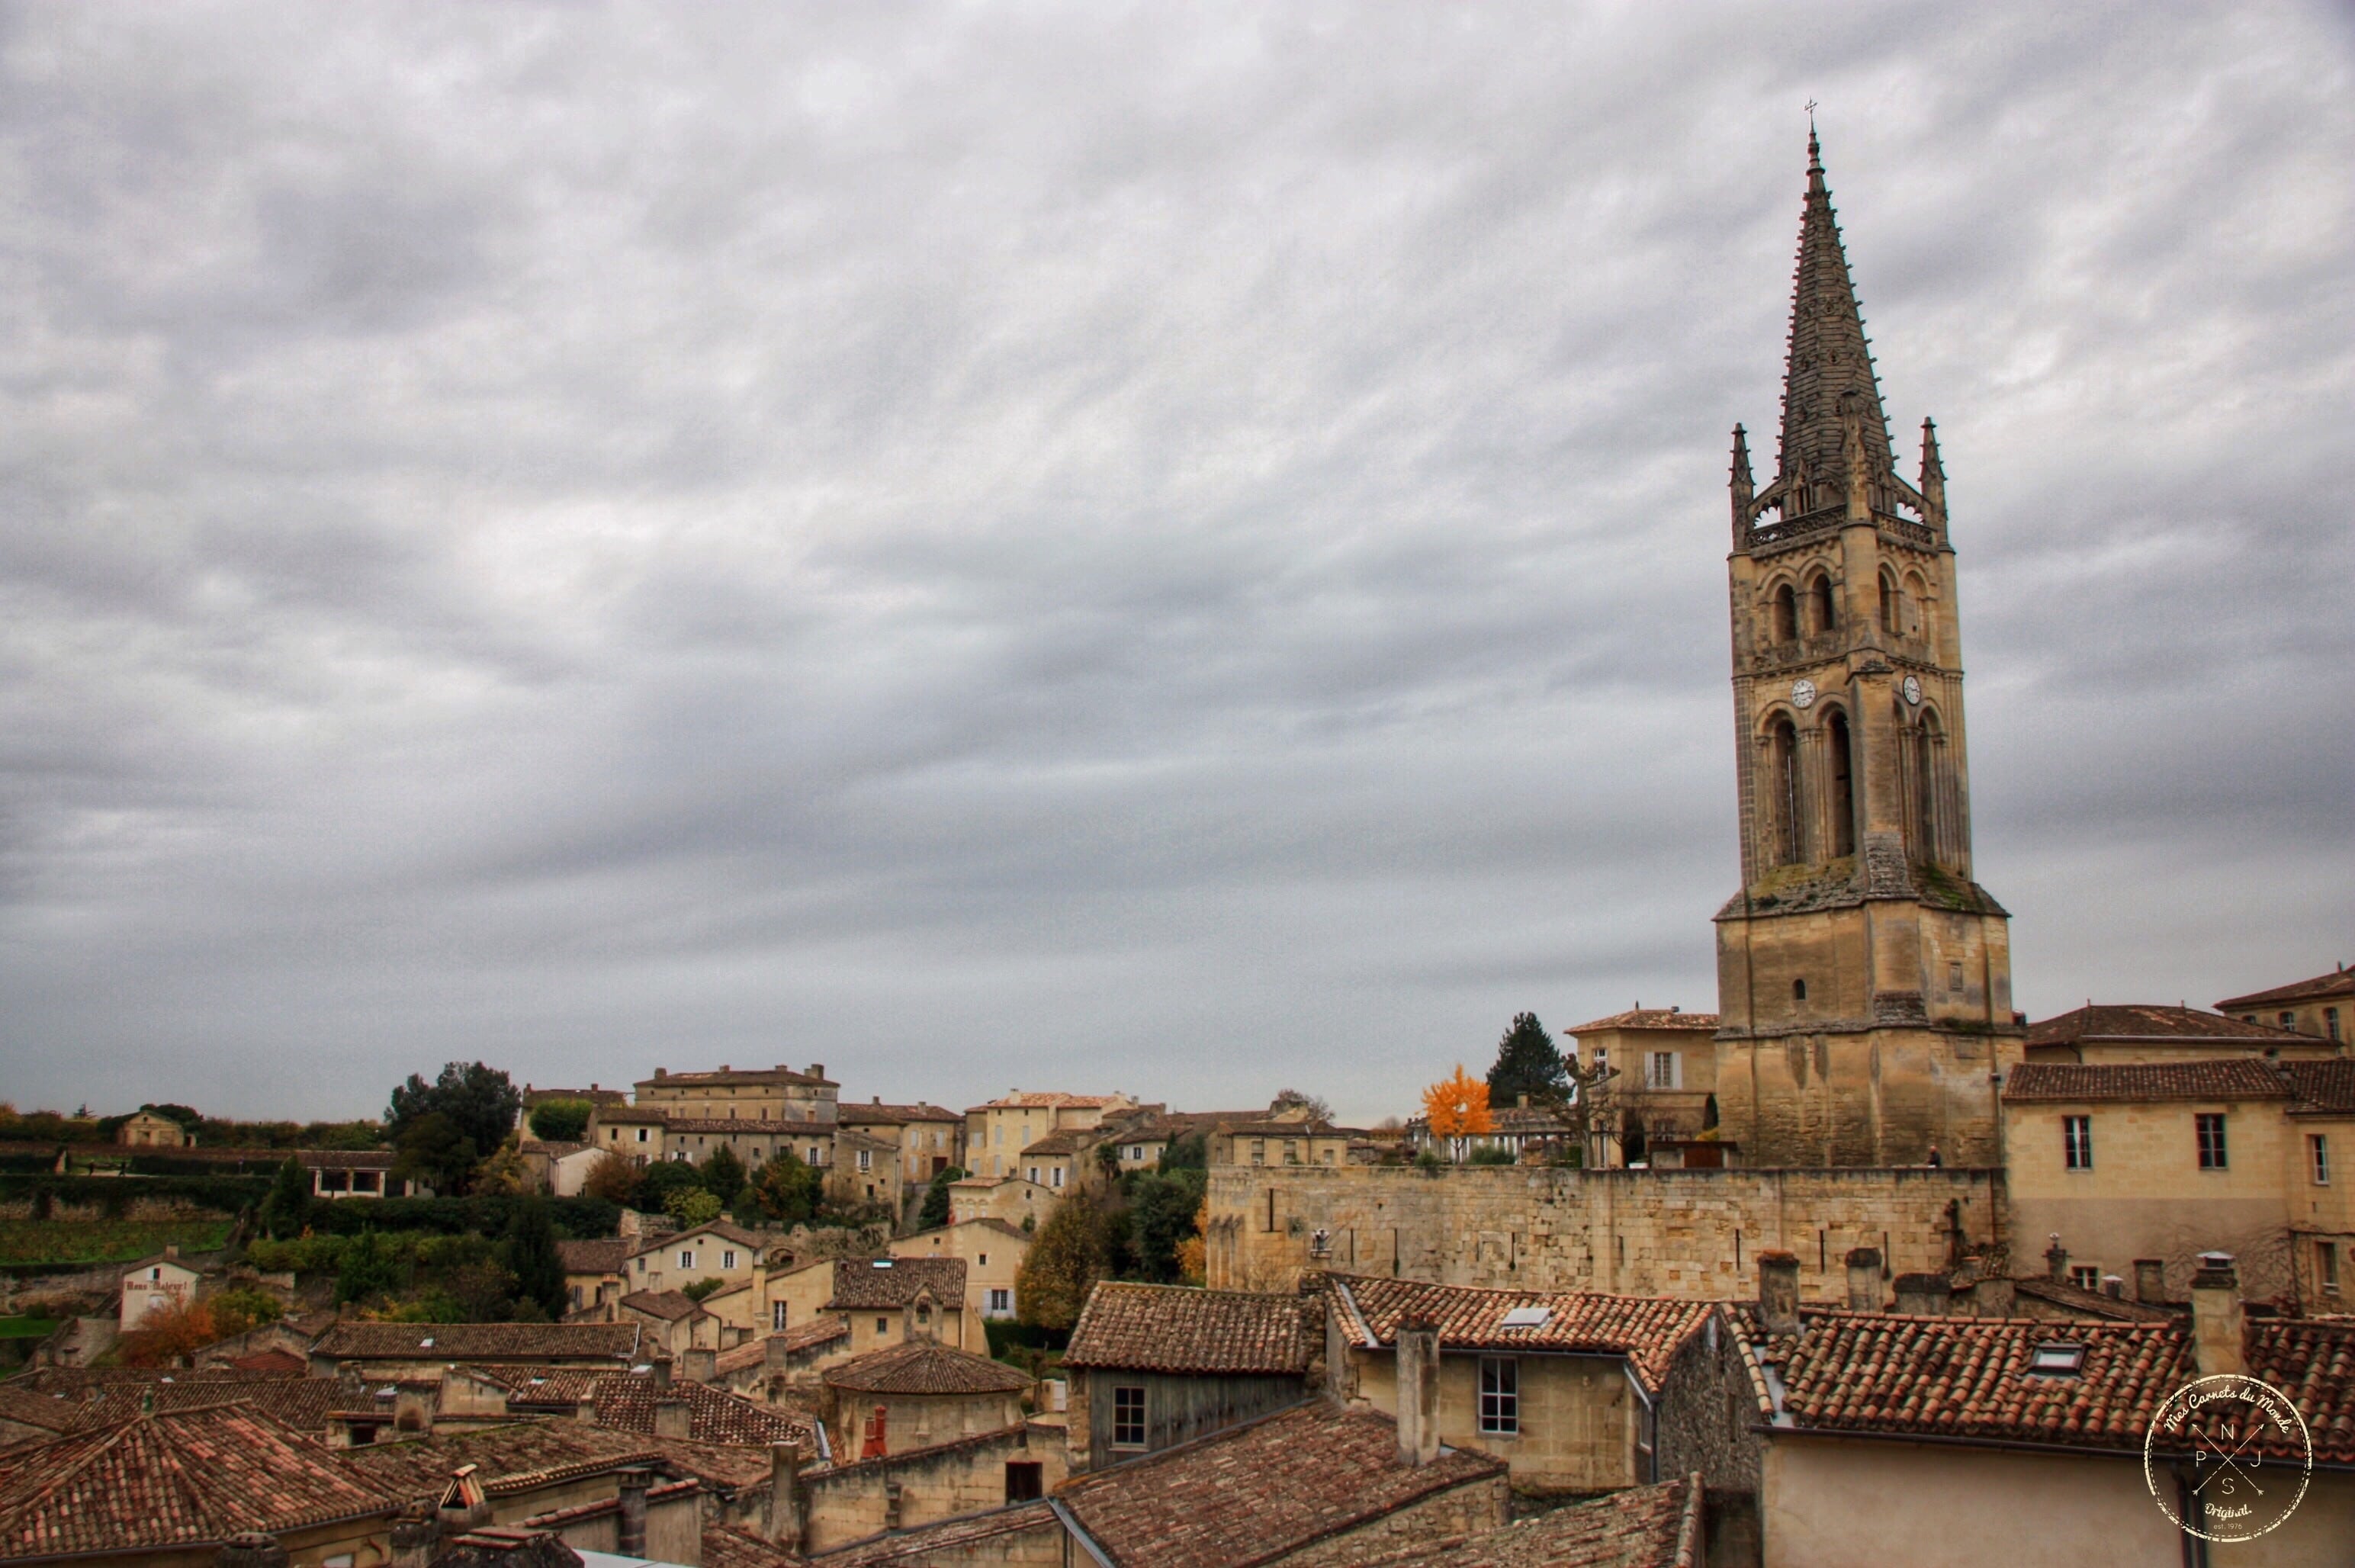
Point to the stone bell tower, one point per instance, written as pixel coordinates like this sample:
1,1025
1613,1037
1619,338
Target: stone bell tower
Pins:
1864,978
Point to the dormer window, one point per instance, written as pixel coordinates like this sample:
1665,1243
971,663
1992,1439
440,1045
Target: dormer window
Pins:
2057,1360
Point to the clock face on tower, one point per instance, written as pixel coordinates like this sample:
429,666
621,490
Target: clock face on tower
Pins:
1803,693
1912,690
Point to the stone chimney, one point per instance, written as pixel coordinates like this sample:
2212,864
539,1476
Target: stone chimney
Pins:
661,1368
632,1533
1994,1296
1778,1291
412,1409
585,1412
2216,1321
674,1417
2113,1287
773,1353
2056,1261
250,1550
1864,1279
416,1537
701,1366
1923,1294
1418,1391
817,1070
785,1511
2151,1281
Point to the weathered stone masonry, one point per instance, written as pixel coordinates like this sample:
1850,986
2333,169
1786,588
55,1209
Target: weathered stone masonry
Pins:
1691,1235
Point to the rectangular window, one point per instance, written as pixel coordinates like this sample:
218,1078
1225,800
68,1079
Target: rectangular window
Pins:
882,1325
1955,977
1001,1301
2077,1142
1022,1480
1259,1151
1128,1418
642,1135
866,1160
2330,1022
686,1260
2211,1129
2287,1021
2326,1266
1057,1174
2086,1277
2317,1158
1661,1073
776,1317
1500,1396
728,1259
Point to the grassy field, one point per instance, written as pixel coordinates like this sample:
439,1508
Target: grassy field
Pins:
64,1243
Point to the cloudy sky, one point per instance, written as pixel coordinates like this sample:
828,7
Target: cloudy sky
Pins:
1177,548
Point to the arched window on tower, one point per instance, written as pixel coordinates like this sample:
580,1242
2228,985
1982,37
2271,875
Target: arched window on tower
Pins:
1917,604
1783,781
1892,614
1786,614
1929,758
1822,615
1841,777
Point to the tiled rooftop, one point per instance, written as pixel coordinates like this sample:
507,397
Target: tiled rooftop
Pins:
923,1367
1046,1101
2147,1023
1644,1527
300,1403
862,1283
2337,983
2215,1079
625,1402
2321,1088
1648,1018
604,1254
524,1455
1068,1141
480,1341
664,1306
747,1126
1258,1491
938,1543
734,1546
750,1076
2083,1303
1179,1328
180,1480
1646,1329
876,1110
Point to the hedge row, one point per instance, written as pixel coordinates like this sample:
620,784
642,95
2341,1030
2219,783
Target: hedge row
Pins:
577,1218
222,1194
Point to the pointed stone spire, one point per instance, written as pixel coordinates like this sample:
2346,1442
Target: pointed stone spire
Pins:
1828,357
1744,487
1933,476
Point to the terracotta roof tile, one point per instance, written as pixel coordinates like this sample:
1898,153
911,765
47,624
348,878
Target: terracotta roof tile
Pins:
2312,1360
732,1546
749,1075
1646,1329
480,1341
877,1112
921,1366
285,1363
1043,1100
604,1254
524,1455
867,1283
300,1403
1969,1377
2214,1078
1179,1328
2149,1023
1260,1490
2321,1088
1644,1527
2337,983
1648,1018
626,1403
186,1479
941,1542
664,1306
2086,1302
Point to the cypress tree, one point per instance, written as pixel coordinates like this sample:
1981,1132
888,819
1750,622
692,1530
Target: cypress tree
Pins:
1527,1063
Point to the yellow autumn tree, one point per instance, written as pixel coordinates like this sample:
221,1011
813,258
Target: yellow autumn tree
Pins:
1457,1106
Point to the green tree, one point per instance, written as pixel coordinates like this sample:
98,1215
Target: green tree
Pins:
1527,1063
370,1270
935,1211
723,1174
1191,1152
692,1206
788,1187
701,1289
287,1209
1066,1259
480,1102
610,1178
433,1151
560,1121
656,1183
532,1257
504,1174
1161,1218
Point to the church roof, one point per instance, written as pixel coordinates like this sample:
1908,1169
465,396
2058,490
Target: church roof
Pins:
2337,983
1830,363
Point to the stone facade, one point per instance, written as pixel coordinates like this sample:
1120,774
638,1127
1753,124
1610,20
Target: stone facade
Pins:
1864,979
1693,1234
846,1502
